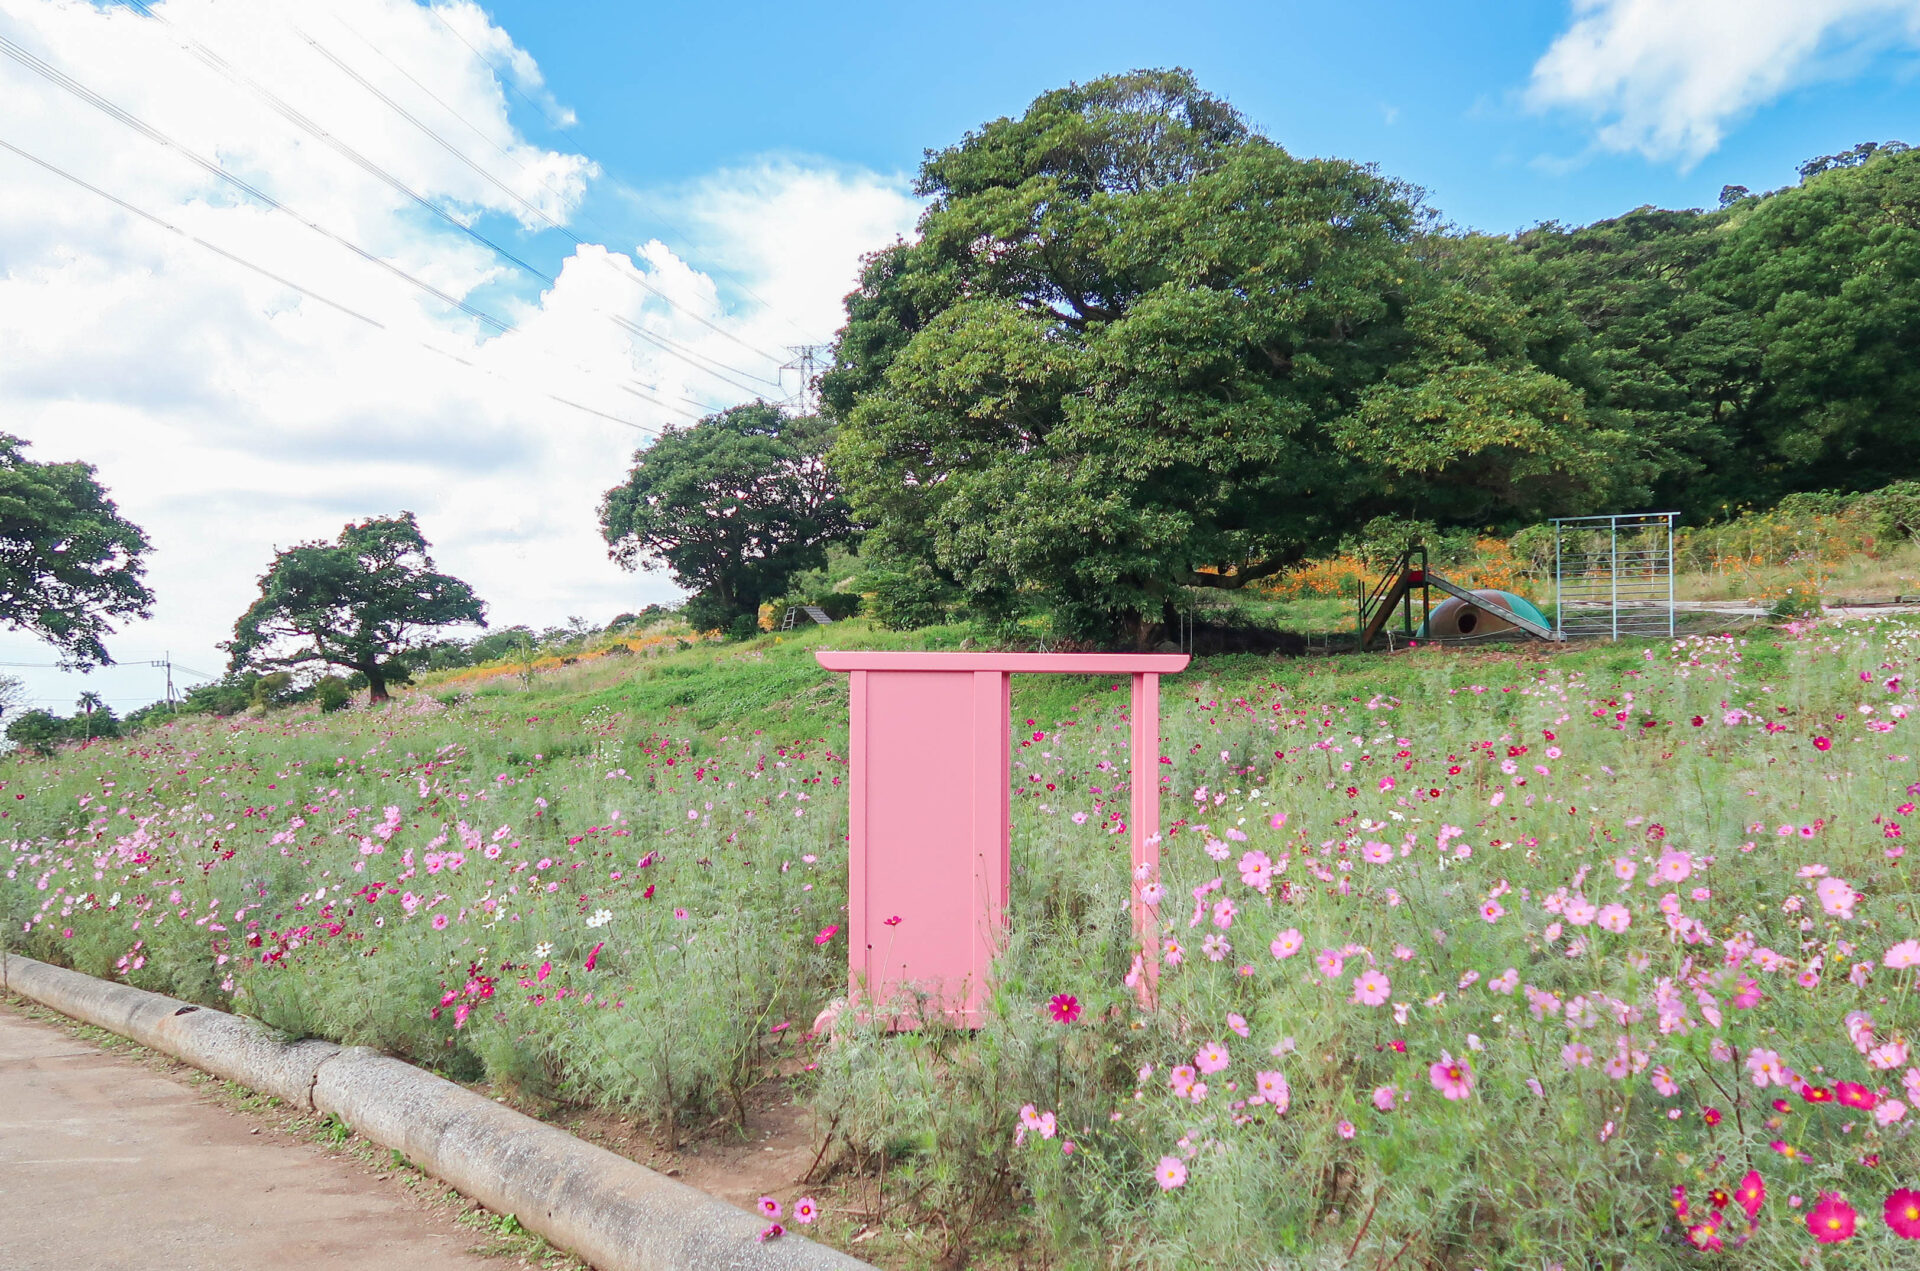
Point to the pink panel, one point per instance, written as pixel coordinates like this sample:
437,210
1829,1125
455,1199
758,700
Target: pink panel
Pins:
1145,829
928,829
1058,663
929,820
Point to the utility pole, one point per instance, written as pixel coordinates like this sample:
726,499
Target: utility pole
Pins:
166,660
810,360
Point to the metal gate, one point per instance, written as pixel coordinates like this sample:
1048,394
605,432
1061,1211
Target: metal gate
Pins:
1613,575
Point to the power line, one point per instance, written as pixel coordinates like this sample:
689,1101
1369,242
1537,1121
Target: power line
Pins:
499,325
507,81
352,313
510,192
234,75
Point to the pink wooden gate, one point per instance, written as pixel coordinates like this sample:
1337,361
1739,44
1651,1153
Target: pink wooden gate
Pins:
929,826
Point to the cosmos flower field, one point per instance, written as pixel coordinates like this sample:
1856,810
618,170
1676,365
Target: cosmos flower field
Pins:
1603,959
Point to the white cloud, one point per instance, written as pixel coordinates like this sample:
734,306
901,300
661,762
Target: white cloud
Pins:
230,415
1666,77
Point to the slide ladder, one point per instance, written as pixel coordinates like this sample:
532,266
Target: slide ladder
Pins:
1395,591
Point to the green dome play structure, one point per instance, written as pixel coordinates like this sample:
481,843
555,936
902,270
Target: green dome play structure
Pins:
1456,618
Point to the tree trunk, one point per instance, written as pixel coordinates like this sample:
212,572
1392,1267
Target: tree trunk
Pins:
376,684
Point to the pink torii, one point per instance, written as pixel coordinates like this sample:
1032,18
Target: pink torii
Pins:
929,826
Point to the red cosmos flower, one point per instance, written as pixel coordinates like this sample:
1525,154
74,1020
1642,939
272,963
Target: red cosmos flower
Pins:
1816,1094
1065,1008
1831,1219
1751,1194
1903,1213
1698,720
1823,743
648,893
594,956
1718,1196
1854,1095
1711,1116
1706,1236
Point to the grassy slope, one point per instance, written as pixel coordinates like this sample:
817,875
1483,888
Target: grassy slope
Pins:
699,997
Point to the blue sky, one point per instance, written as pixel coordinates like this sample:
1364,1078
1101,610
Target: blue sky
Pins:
1435,93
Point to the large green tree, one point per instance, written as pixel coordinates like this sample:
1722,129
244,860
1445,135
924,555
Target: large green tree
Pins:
1138,347
69,562
362,602
734,506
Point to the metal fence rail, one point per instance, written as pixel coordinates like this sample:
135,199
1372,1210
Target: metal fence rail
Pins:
1613,575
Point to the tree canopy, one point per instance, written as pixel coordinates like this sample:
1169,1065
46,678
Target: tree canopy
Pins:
734,506
1138,346
362,602
69,562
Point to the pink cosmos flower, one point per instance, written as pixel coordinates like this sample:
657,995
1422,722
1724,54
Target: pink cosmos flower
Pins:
1238,1023
1615,918
1344,1128
1180,1080
1451,1077
1211,1058
1329,961
804,1210
1370,988
1888,1054
439,922
769,1207
1170,1173
1902,955
826,933
1766,1068
1888,1111
1384,1097
1286,944
1492,911
1271,1088
1836,896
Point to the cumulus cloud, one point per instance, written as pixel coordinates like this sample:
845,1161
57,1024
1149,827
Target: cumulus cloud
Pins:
231,414
1665,78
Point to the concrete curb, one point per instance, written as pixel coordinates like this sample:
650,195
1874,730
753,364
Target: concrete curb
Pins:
615,1214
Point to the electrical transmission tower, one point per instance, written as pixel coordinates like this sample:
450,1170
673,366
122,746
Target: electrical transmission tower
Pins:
810,360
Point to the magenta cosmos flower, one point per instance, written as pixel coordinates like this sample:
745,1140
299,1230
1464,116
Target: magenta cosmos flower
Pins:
1903,1213
1064,1007
826,933
1831,1219
1451,1077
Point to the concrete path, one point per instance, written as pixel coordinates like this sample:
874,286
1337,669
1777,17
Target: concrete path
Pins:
107,1165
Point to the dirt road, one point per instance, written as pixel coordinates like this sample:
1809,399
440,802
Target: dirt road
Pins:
105,1164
